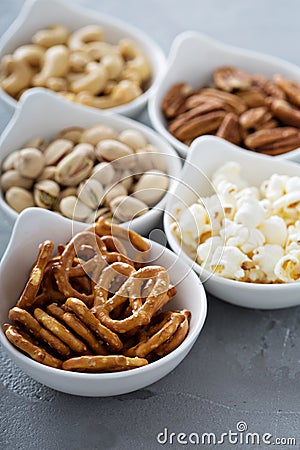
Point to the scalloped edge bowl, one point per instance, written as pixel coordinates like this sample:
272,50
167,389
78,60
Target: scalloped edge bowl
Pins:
37,14
184,66
34,226
42,113
194,182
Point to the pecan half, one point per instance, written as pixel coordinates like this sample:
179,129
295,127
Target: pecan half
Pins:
230,129
285,112
269,88
192,128
289,87
255,117
253,97
174,101
228,79
274,141
231,102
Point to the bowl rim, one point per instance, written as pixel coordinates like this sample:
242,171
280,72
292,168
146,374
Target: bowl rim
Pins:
49,98
214,43
143,37
184,346
204,274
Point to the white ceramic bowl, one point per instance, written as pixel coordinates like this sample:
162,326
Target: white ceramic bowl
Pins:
207,154
38,14
194,57
34,226
41,113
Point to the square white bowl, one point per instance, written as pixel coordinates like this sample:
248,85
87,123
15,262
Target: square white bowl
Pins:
205,156
33,226
38,14
42,113
193,59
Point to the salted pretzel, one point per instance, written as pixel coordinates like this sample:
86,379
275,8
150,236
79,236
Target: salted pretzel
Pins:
130,290
65,270
36,275
110,363
163,336
65,335
103,228
32,326
73,322
89,319
37,353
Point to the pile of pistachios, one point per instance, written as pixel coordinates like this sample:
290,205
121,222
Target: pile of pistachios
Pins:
85,173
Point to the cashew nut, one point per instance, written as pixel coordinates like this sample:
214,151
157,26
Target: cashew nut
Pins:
54,35
32,54
124,92
113,65
19,75
78,60
84,35
55,65
97,50
93,82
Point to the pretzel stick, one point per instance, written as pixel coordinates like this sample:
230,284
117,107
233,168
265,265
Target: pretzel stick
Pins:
30,324
76,325
60,331
36,275
110,363
88,318
38,354
143,315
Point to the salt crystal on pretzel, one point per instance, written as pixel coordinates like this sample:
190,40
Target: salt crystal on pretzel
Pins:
60,331
103,227
89,319
24,318
158,334
36,275
38,354
110,363
266,258
129,290
73,322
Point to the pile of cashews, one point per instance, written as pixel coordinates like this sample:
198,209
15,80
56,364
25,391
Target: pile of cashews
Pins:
79,65
86,173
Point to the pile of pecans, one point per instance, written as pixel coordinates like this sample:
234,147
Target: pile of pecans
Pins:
80,65
247,110
90,308
85,173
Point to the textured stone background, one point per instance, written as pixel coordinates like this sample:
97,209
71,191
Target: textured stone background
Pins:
245,365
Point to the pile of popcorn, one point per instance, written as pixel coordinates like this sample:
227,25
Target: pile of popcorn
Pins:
243,232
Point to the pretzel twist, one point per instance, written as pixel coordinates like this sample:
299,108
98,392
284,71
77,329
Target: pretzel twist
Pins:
131,290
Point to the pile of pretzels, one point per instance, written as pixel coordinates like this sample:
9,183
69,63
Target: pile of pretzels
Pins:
92,308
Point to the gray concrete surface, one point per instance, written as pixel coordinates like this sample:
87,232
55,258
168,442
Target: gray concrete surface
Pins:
245,365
